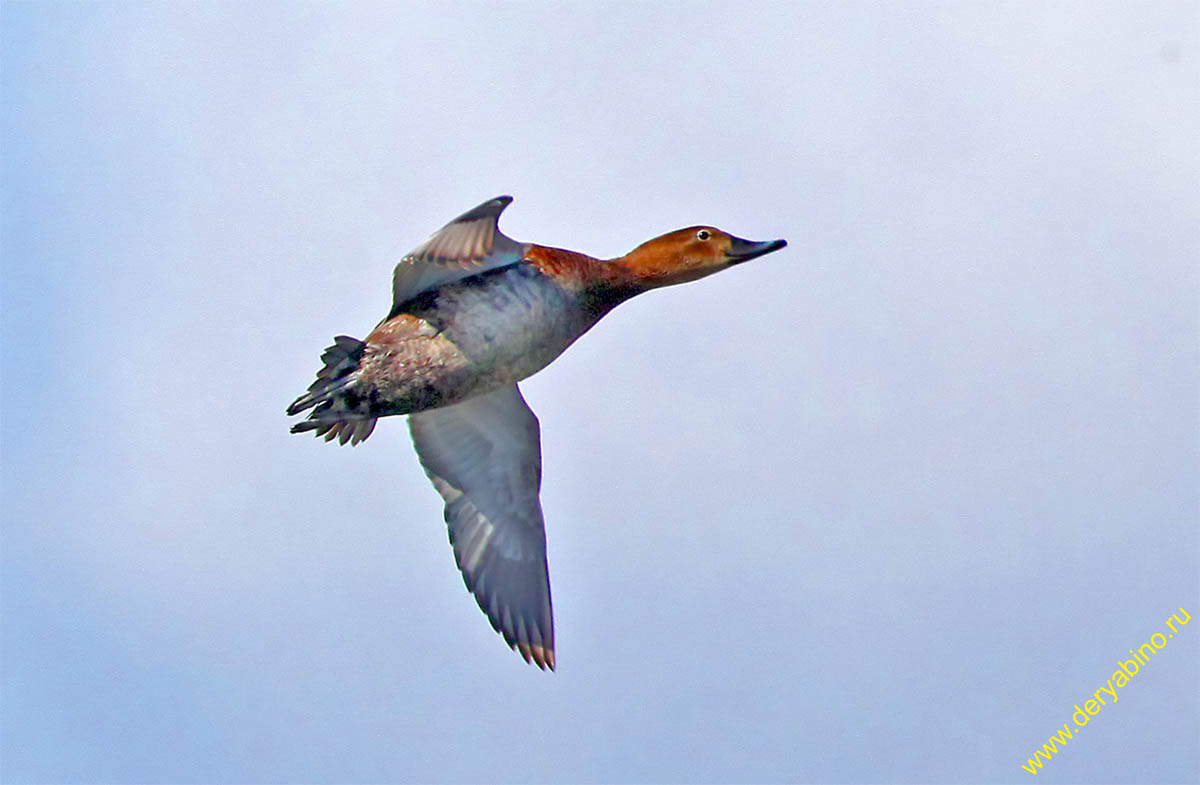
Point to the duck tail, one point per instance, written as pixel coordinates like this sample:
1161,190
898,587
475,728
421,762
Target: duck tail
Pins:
336,409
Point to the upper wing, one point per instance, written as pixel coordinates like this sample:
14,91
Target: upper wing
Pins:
470,244
484,456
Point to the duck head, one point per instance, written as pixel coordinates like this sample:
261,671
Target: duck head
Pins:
689,254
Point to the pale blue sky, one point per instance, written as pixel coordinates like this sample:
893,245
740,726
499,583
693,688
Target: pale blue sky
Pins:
880,507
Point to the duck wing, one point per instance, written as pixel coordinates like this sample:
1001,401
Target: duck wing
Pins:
484,457
470,244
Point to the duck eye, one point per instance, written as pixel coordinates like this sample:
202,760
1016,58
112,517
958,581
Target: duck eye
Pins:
703,234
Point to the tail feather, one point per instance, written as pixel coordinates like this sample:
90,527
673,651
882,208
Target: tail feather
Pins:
334,416
352,431
340,360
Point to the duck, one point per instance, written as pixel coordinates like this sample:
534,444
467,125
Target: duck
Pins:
473,314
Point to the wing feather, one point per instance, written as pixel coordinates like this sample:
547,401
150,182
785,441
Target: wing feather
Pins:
484,457
472,243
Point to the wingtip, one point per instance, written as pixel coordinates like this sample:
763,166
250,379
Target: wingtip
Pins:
489,209
536,655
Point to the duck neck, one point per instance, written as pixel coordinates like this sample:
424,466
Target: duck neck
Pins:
648,267
602,285
611,284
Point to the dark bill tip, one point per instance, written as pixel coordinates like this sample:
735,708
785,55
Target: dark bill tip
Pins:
744,250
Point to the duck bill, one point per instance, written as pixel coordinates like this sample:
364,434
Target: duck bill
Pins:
744,250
